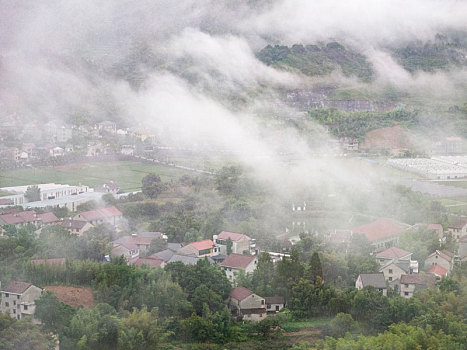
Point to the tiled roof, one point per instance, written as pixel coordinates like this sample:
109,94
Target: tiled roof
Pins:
165,255
438,270
373,279
448,256
99,214
458,223
238,260
428,279
232,235
17,287
381,229
201,245
393,253
47,217
151,261
404,265
187,259
274,300
240,293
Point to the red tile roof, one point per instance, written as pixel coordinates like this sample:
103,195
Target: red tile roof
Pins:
201,245
232,235
47,217
458,223
393,253
5,201
101,213
438,270
151,261
16,287
240,293
381,229
11,219
238,260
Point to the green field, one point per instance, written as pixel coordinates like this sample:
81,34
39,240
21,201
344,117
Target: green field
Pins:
127,175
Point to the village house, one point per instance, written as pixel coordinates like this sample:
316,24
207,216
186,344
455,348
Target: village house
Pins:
17,299
392,253
382,233
241,243
409,284
458,228
151,261
443,258
245,304
438,271
274,305
199,249
375,280
234,263
462,252
22,218
75,227
393,270
132,246
99,216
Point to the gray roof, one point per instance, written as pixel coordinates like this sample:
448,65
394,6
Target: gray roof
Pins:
165,255
403,264
174,246
373,279
187,259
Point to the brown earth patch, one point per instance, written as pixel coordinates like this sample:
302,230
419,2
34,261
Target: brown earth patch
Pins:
73,296
308,334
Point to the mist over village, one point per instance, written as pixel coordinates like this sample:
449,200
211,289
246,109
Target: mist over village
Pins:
251,174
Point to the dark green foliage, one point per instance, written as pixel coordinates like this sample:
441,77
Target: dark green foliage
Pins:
318,60
33,193
229,245
152,186
53,314
316,270
341,324
357,124
22,335
87,206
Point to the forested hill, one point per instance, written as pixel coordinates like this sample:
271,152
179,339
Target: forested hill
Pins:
442,53
316,60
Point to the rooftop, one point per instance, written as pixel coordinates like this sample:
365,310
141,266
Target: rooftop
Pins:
438,270
202,245
101,213
381,229
373,279
393,253
238,260
428,279
240,293
16,287
232,235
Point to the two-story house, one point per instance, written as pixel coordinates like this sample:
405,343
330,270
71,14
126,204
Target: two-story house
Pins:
247,305
75,227
241,243
99,216
393,270
458,228
392,253
234,263
443,258
409,284
17,299
382,233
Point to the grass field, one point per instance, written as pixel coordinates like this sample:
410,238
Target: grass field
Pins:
127,175
295,326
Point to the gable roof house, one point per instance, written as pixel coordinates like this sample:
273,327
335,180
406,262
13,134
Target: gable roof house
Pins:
240,242
458,228
132,246
392,253
247,305
375,280
99,216
234,263
75,227
17,299
274,305
382,233
199,249
151,261
443,258
412,283
21,218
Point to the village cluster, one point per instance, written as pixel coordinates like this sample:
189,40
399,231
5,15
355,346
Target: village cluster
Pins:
235,253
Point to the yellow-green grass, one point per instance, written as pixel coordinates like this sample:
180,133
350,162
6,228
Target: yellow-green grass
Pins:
127,175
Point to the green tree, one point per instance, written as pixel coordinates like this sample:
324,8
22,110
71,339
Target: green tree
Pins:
229,245
152,185
316,270
33,193
53,314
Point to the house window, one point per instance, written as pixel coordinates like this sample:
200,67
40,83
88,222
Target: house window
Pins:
7,295
390,270
269,306
406,285
14,302
406,293
277,307
17,317
7,304
262,302
14,311
17,297
25,307
390,278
